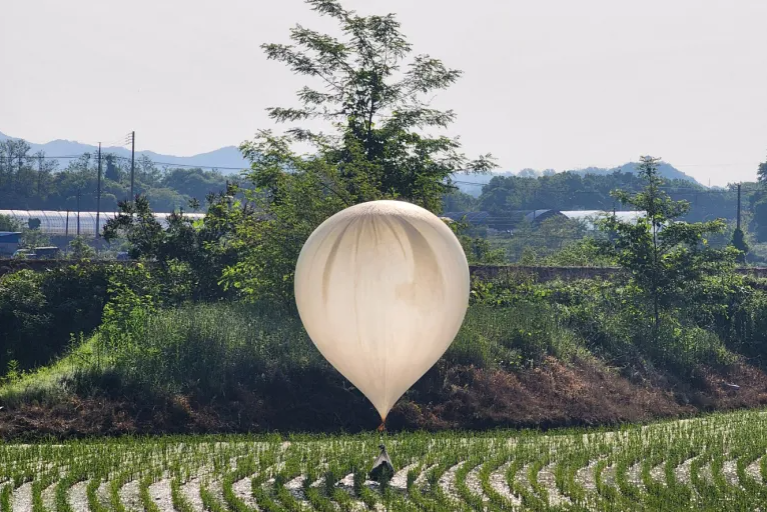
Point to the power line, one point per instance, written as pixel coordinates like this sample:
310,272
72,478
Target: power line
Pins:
193,166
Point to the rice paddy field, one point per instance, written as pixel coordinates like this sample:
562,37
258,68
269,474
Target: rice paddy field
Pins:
712,463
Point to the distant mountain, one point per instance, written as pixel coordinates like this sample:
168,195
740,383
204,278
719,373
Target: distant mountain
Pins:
227,159
666,170
472,183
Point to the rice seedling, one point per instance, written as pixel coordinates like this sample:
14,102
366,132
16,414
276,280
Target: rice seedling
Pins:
713,463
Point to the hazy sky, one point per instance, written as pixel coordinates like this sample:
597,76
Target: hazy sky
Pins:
548,83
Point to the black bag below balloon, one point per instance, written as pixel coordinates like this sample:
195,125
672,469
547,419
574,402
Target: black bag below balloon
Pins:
382,467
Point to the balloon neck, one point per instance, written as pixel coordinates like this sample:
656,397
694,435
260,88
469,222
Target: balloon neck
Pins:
382,426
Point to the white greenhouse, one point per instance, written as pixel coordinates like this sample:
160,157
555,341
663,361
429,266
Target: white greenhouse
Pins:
589,217
69,223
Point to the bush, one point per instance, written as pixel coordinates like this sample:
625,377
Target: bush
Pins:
39,311
212,350
608,318
204,349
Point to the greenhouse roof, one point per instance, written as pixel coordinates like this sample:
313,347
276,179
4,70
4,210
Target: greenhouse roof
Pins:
72,223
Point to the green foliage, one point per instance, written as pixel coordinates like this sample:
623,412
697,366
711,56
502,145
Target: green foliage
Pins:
203,349
761,173
8,223
79,249
457,201
31,238
479,251
200,249
739,243
477,248
505,195
41,311
760,219
581,253
610,319
137,224
374,98
534,243
216,350
665,257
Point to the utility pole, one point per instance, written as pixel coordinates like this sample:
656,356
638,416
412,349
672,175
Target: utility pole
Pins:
132,162
39,172
738,221
18,176
78,213
98,195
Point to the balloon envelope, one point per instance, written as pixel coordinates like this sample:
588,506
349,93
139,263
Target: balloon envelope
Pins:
382,289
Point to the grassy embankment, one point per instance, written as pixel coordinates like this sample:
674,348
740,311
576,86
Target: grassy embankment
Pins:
556,360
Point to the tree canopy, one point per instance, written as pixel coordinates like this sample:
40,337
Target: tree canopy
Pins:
35,182
373,96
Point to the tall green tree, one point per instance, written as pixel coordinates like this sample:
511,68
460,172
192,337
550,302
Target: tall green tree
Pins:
759,204
373,96
761,173
665,257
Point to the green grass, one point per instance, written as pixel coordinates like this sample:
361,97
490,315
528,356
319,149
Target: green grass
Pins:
494,471
48,383
203,349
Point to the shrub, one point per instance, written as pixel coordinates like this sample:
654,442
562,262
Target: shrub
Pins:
205,349
40,311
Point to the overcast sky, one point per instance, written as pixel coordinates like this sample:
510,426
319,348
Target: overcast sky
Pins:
548,83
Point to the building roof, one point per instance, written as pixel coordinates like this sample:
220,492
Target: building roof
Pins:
471,217
537,215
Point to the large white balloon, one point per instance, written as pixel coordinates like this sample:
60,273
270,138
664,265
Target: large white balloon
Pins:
382,289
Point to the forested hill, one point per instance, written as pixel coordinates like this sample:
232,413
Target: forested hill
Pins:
472,184
503,195
228,159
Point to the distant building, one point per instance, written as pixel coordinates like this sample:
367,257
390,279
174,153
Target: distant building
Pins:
9,242
536,216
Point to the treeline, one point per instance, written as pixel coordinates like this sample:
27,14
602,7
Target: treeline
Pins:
505,195
35,182
570,191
